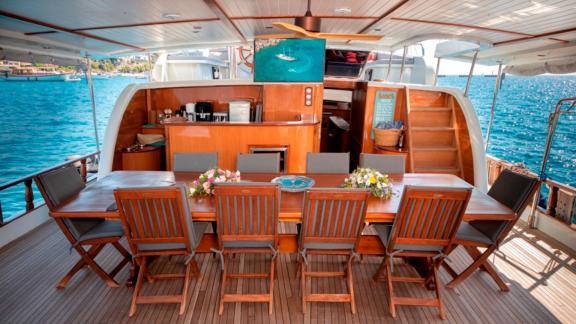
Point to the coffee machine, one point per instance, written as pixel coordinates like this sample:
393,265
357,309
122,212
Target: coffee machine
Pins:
204,111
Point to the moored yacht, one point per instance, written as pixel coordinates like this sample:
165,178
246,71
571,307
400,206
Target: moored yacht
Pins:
34,74
295,79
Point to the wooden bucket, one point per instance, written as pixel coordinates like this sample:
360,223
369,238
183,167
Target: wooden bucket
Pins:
386,137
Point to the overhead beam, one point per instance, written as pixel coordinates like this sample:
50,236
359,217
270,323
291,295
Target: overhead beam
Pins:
294,16
152,23
543,35
44,32
382,17
488,29
440,23
189,21
67,30
225,18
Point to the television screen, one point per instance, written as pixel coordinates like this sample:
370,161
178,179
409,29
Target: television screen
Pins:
345,63
289,60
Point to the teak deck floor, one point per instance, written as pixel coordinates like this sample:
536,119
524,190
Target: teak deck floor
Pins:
541,273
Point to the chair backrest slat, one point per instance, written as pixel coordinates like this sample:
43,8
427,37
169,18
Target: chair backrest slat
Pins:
247,211
429,216
156,215
333,215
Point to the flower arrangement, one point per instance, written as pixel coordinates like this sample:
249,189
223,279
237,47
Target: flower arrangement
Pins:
204,185
378,183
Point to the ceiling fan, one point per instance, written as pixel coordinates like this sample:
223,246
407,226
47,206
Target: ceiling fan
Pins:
308,26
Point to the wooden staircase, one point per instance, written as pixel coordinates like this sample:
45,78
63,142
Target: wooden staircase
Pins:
432,134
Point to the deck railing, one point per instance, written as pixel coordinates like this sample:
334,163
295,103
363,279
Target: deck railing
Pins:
28,181
561,201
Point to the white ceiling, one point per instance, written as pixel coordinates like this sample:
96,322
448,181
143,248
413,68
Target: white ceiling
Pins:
479,16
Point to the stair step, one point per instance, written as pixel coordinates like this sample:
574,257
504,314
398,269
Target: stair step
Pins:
454,170
419,98
435,159
424,137
431,117
430,129
434,148
430,109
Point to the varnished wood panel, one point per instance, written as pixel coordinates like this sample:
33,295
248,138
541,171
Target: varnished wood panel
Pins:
464,141
149,159
32,265
153,130
286,102
400,113
134,117
427,99
343,84
230,140
173,98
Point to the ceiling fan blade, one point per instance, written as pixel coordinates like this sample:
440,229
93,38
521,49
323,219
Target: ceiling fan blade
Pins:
278,36
305,33
360,37
291,27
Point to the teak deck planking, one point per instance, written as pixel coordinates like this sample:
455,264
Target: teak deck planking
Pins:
541,274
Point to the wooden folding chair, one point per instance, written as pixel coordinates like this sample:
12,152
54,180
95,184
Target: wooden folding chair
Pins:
157,222
425,227
247,218
332,223
511,189
57,187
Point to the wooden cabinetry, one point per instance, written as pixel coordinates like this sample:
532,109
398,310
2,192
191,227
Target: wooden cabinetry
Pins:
287,102
147,159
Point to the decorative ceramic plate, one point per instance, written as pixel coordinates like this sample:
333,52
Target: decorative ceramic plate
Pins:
294,183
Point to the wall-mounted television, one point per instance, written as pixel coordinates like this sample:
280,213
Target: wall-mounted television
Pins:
345,63
289,60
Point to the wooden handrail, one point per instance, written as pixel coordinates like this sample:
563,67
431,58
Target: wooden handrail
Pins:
31,176
28,181
496,166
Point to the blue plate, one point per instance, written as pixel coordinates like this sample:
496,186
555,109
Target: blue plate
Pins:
294,183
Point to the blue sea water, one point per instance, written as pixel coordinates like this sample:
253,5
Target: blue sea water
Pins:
521,120
41,123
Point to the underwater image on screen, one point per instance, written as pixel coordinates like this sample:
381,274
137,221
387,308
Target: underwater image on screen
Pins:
289,60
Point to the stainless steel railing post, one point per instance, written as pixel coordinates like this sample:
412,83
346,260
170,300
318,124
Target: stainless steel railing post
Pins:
552,123
88,73
437,71
470,73
491,120
403,61
389,67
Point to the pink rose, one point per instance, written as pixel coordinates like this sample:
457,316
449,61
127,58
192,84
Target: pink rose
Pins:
206,186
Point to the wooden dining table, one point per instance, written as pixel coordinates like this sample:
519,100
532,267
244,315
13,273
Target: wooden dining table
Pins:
97,200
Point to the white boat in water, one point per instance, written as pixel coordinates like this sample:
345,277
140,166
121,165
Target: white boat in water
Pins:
32,74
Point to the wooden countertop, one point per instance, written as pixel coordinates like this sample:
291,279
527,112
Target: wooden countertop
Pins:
270,123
